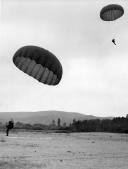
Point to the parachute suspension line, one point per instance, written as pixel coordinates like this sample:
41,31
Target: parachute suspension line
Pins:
26,65
32,69
39,73
45,74
42,73
47,78
50,78
22,60
36,70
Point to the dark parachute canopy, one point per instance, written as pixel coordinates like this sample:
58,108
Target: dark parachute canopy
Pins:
111,12
39,63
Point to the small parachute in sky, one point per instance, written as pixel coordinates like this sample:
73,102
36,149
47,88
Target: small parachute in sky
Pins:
39,63
111,12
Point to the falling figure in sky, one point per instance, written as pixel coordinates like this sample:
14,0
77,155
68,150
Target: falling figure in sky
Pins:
113,40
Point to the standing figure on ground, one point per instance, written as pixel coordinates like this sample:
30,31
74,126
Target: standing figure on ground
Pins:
9,126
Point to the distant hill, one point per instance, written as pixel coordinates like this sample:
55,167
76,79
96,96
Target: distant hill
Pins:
45,117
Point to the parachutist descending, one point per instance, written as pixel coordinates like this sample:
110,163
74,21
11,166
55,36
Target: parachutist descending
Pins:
110,13
113,40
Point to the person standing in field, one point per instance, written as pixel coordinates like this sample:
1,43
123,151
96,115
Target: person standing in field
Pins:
9,126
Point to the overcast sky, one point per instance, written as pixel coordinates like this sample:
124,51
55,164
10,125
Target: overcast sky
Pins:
95,71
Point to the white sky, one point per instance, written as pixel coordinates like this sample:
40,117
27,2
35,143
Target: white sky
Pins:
95,71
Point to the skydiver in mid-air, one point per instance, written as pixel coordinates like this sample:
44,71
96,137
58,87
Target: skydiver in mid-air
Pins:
113,40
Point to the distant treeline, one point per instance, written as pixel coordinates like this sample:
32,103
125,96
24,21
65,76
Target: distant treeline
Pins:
116,125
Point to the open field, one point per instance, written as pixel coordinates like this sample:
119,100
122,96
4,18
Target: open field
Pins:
36,150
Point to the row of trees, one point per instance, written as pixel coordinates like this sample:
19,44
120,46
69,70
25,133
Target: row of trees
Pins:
38,126
118,124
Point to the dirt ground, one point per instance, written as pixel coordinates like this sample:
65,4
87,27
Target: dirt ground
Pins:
36,150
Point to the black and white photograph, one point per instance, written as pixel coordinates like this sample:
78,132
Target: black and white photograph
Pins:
63,84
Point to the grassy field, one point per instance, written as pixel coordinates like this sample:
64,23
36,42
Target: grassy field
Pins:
36,150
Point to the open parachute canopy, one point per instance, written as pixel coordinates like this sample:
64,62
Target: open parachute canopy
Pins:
39,63
111,12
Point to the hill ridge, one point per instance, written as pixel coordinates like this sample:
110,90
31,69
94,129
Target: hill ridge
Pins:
45,117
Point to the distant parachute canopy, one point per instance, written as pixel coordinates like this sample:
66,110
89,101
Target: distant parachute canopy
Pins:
39,63
111,12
